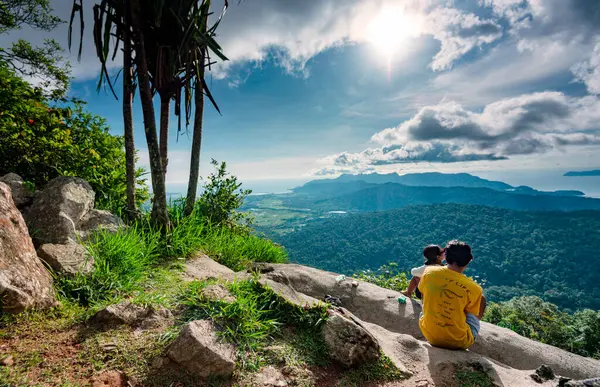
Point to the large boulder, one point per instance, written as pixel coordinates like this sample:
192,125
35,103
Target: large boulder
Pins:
63,213
24,281
348,342
59,209
71,258
379,306
20,194
199,351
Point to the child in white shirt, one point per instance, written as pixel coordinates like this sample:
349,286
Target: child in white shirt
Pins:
434,255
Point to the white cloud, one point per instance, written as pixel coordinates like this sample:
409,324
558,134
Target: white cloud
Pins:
448,133
459,33
588,71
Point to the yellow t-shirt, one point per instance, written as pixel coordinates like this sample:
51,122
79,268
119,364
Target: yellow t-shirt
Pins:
447,297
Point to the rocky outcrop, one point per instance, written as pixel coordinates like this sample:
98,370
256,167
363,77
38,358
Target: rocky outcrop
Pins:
24,282
126,313
71,258
379,306
202,268
199,351
348,342
218,292
20,194
63,213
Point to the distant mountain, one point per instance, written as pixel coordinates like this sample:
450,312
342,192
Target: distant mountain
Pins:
595,172
389,196
428,179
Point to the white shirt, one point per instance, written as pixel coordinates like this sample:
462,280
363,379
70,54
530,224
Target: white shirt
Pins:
418,271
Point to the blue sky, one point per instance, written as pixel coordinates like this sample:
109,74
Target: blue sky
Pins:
321,87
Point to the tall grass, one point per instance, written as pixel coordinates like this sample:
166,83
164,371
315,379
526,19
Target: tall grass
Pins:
123,260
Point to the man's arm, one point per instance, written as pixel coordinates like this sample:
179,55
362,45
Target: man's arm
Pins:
482,307
414,282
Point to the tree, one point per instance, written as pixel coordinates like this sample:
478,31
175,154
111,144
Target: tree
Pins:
43,63
174,31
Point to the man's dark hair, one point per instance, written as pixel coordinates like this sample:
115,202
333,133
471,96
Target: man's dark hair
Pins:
431,253
459,253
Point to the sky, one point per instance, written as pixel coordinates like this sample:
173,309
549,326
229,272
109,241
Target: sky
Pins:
315,88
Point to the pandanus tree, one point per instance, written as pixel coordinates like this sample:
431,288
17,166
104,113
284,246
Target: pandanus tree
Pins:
171,42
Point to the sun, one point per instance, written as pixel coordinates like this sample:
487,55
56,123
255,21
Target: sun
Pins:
388,30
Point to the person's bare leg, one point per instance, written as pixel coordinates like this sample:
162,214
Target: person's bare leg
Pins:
482,307
414,282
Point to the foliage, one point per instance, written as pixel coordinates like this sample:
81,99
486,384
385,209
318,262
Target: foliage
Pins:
253,319
125,259
516,252
44,63
383,370
221,198
473,375
542,321
121,261
387,276
40,140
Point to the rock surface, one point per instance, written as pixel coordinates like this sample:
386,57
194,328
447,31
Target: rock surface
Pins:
24,281
269,377
71,258
217,292
20,194
348,342
202,268
110,379
199,351
126,313
59,209
98,220
379,306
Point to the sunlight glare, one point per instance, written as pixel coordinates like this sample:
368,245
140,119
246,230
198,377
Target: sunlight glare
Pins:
389,29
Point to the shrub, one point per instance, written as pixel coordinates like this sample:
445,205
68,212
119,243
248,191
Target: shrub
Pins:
221,198
41,139
387,276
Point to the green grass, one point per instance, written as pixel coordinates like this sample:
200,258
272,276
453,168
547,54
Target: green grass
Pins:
473,376
387,276
253,320
129,260
383,370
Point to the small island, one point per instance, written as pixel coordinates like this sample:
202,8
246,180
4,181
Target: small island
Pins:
595,172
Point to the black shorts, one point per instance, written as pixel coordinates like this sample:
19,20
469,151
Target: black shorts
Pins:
418,294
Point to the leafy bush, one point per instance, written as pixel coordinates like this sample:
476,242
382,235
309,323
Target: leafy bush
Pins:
221,198
387,276
41,139
542,321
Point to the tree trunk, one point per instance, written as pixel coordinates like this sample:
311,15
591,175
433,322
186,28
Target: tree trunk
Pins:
159,215
196,145
128,117
165,104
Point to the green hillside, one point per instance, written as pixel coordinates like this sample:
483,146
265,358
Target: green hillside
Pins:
550,254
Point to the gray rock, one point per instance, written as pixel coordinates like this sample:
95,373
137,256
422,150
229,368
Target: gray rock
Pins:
269,377
71,258
349,343
594,382
380,306
24,281
199,351
202,268
98,220
126,313
59,209
20,194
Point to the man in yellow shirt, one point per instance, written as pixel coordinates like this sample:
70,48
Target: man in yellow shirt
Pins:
453,304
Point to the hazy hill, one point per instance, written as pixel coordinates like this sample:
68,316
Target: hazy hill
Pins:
549,254
388,196
583,173
428,179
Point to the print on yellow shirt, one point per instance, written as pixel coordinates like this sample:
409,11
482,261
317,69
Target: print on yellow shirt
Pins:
447,297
